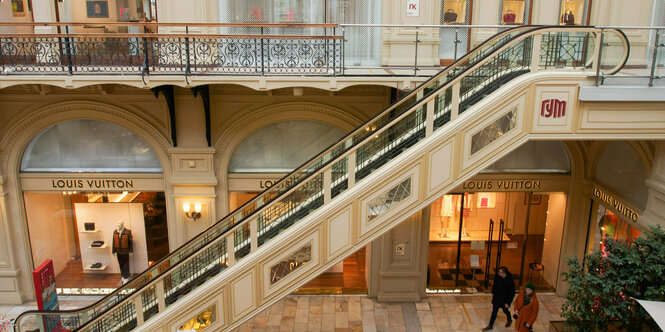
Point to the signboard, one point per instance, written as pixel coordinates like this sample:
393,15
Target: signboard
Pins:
47,298
400,247
614,203
511,245
413,8
477,245
474,260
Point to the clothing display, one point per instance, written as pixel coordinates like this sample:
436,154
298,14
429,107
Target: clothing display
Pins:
509,17
123,261
122,242
568,18
122,246
449,16
97,244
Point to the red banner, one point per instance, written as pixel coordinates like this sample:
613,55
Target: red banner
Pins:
47,298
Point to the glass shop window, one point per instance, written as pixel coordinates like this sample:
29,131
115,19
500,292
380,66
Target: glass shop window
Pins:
454,11
514,12
572,12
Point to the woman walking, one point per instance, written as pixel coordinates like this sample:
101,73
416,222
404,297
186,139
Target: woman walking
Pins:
526,309
503,291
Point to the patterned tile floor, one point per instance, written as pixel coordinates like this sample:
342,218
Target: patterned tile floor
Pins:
359,313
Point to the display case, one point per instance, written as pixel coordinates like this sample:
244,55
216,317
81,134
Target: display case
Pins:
95,245
573,12
455,12
514,12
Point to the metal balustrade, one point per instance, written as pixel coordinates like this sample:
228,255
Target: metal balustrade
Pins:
410,120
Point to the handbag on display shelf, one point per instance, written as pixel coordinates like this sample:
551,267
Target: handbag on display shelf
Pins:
509,17
89,226
449,16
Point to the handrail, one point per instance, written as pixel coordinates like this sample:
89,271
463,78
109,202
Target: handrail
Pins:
346,150
163,35
170,24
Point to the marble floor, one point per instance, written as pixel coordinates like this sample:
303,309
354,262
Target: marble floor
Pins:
359,313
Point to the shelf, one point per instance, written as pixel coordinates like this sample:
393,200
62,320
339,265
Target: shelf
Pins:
105,245
102,268
95,231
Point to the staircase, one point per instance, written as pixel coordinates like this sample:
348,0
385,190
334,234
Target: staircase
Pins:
449,128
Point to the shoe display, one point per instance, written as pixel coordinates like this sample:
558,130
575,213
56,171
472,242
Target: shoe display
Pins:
96,265
97,244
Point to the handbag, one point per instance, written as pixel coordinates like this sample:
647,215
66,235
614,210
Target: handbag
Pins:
509,17
89,226
450,16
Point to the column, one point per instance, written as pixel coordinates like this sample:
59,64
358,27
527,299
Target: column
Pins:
397,267
654,213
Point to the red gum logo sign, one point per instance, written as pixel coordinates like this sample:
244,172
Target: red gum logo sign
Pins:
553,108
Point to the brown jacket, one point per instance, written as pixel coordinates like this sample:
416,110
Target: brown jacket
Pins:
527,313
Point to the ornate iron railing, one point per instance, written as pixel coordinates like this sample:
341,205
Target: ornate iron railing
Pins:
255,53
315,183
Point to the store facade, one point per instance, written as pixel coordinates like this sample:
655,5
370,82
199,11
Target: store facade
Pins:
512,214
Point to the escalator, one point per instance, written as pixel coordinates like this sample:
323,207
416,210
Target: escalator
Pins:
440,134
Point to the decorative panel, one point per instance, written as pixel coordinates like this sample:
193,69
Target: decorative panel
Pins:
339,233
484,138
290,263
494,131
201,321
380,204
554,108
242,295
440,166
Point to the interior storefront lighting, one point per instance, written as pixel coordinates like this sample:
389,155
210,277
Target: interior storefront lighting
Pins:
124,193
196,214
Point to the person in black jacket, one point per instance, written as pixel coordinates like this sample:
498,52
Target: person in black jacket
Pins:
503,292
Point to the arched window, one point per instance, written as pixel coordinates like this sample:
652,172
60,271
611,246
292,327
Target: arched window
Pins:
534,157
621,169
89,146
283,146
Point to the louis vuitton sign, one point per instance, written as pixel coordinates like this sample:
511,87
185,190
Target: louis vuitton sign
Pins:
612,202
91,184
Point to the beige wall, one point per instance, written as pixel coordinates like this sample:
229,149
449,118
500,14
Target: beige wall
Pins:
50,230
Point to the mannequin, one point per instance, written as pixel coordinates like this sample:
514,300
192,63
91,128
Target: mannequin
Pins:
568,18
122,247
447,210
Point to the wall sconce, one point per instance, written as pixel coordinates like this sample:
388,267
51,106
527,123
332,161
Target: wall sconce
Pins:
196,214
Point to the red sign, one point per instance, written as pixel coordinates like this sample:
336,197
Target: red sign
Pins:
553,108
47,298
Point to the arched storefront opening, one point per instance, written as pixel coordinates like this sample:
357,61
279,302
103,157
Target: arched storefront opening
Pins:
83,180
621,192
271,152
512,214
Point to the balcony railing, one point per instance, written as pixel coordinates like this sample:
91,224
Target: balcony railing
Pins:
200,49
173,53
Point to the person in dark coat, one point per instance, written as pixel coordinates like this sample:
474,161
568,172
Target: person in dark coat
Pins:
503,292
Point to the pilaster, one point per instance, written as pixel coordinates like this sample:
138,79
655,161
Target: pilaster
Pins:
398,261
654,213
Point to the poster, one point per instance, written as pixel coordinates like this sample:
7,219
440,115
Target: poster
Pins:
47,298
413,8
97,9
